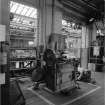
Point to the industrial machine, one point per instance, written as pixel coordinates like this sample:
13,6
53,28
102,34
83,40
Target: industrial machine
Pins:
58,73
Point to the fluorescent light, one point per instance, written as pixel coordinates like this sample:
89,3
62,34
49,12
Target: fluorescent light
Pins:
91,19
64,22
30,42
73,24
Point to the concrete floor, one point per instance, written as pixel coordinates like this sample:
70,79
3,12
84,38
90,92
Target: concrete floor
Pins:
87,95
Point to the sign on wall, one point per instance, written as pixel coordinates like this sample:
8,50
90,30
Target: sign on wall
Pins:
2,78
96,51
2,32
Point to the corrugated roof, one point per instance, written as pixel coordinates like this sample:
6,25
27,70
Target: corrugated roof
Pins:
23,14
23,10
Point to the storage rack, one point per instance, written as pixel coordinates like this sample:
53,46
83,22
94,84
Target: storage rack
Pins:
23,37
97,60
22,56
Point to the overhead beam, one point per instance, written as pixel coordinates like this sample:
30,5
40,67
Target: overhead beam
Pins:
74,15
89,5
90,2
83,8
72,6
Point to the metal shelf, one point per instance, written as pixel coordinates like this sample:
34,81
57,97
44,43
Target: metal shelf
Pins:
23,59
23,48
22,37
23,31
19,69
21,25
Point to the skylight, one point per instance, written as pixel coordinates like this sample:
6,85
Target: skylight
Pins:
29,11
23,15
14,7
19,9
23,10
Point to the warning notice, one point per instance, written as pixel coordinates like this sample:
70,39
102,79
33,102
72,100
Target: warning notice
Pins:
2,32
2,78
96,51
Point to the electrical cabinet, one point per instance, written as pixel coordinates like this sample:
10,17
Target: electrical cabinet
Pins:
96,53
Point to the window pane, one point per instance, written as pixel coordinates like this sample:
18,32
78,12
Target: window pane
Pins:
29,11
33,13
20,9
25,9
14,7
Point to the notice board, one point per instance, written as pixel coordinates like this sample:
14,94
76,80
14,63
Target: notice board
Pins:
2,78
2,32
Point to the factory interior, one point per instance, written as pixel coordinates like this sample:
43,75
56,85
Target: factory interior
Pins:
52,52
